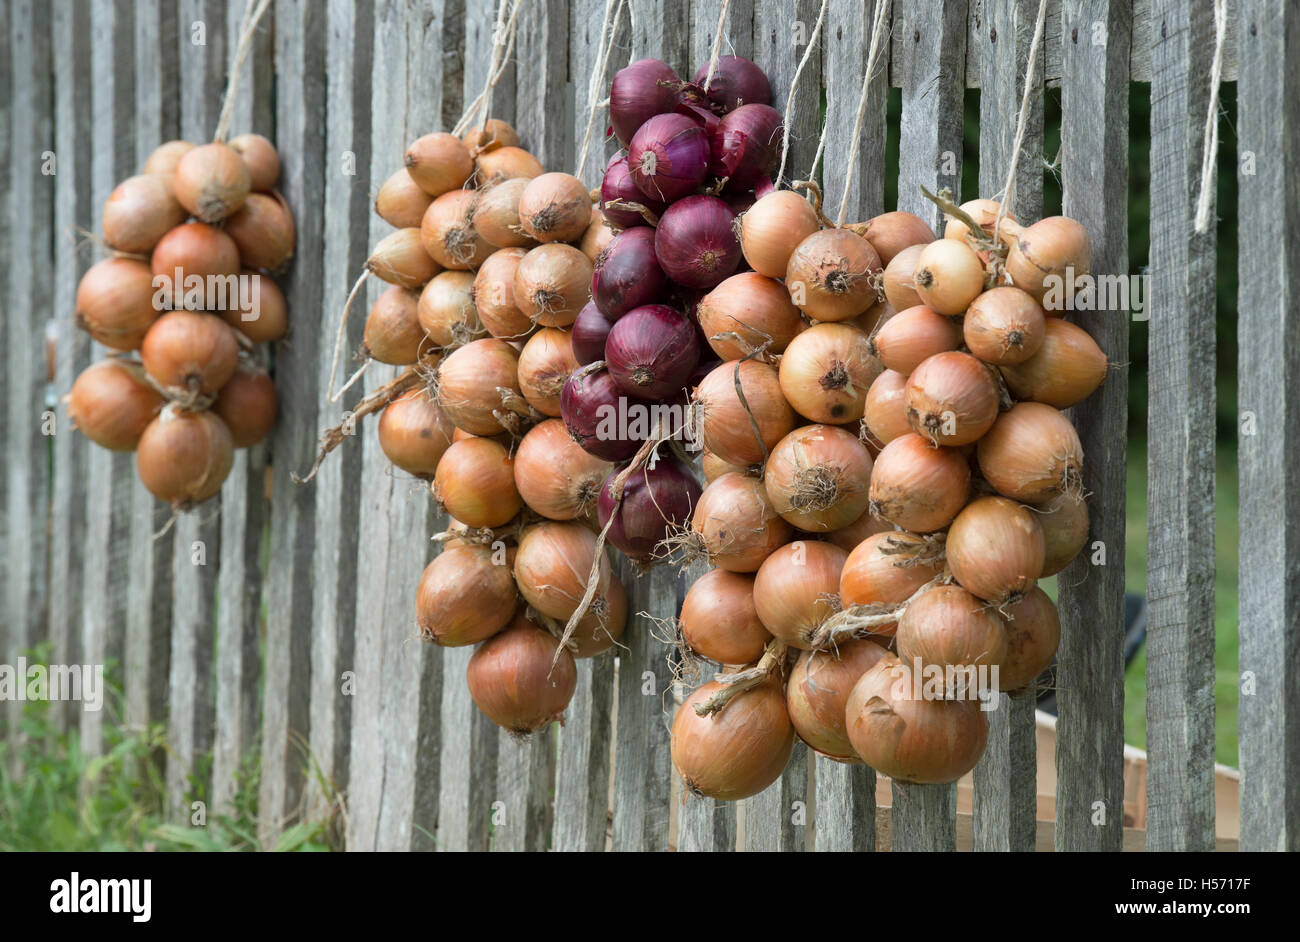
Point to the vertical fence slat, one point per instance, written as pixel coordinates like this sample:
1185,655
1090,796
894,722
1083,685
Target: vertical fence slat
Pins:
197,532
10,637
847,38
1090,672
1180,442
1005,803
299,58
782,30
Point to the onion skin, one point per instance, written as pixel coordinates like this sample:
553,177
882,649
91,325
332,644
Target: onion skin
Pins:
995,549
184,457
1004,326
772,229
984,212
949,276
736,81
393,332
545,365
111,404
1065,531
627,274
738,752
597,632
165,157
464,596
593,407
668,157
260,156
414,433
755,307
745,146
696,242
446,309
552,283
211,181
655,502
506,163
555,207
917,486
651,351
494,296
848,538
951,399
725,426
877,574
590,330
468,380
618,186
553,564
816,478
818,693
400,259
900,278
637,93
826,372
598,235
439,163
489,135
886,413
912,336
1065,370
909,738
719,621
891,233
554,475
1048,249
400,202
794,589
1033,635
188,351
247,404
448,234
949,627
267,314
496,214
196,249
140,211
1031,454
115,302
714,467
263,232
737,524
475,481
830,275
511,678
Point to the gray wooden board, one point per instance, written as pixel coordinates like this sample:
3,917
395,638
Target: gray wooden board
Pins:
923,817
845,813
782,31
8,635
777,818
847,38
1180,443
1090,672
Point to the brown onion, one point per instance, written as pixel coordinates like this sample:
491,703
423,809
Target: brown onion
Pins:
184,457
490,134
512,680
439,163
469,380
400,202
725,427
212,181
475,481
1064,371
112,404
554,475
891,233
946,626
737,525
830,275
552,283
414,433
505,163
600,631
494,295
400,259
264,232
553,564
448,232
247,404
544,365
1065,531
1056,249
735,753
1032,454
847,538
951,399
817,478
900,278
165,157
496,215
719,621
984,212
393,332
1004,326
818,693
194,248
886,414
597,237
260,157
887,569
751,305
115,302
466,595
995,549
917,486
555,207
949,276
912,336
265,316
188,351
140,211
826,372
797,588
1033,635
714,467
772,229
446,309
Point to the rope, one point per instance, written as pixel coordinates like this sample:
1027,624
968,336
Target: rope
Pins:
503,44
717,44
247,27
794,83
877,33
1210,148
608,27
1008,191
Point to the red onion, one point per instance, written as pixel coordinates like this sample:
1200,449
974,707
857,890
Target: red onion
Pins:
627,274
668,157
745,147
589,333
601,418
619,185
644,89
651,351
656,498
736,82
695,242
698,112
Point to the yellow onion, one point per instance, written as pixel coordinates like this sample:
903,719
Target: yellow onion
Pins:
544,365
553,564
797,588
1032,454
496,215
264,232
847,538
115,302
984,212
951,399
494,295
165,157
818,693
817,478
112,404
518,682
900,278
736,524
756,308
393,332
552,283
1033,635
446,309
735,753
439,163
725,423
1053,249
995,549
886,414
912,336
194,248
212,181
1064,371
475,481
826,372
400,259
491,134
554,475
260,157
505,163
772,229
1004,326
414,433
264,316
470,380
448,233
1065,531
714,467
597,236
247,404
830,275
719,621
887,568
599,631
188,351
949,276
140,211
917,486
466,595
400,202
555,207
946,627
891,233
184,457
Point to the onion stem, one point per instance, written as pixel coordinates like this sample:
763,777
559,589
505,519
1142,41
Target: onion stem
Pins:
772,661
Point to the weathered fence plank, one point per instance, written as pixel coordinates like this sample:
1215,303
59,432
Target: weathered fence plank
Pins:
783,29
10,637
1180,443
776,819
1090,671
847,37
1268,140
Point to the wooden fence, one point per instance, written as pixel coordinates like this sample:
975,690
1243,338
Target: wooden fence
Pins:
279,618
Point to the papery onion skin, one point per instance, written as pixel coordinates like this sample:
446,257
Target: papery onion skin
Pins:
772,228
816,478
264,316
590,330
917,486
439,163
400,202
830,275
651,351
738,752
247,404
756,308
656,501
263,231
725,424
668,157
1065,370
1065,531
995,549
1048,250
737,525
414,433
627,274
490,134
469,380
1031,454
464,596
555,207
601,417
552,283
260,156
891,233
195,248
983,211
506,163
951,399
139,212
211,181
189,351
494,295
393,333
848,538
448,234
795,590
949,276
475,481
1033,635
115,302
1004,326
617,186
401,259
554,475
818,693
745,147
164,158
827,371
183,458
552,566
900,278
719,621
714,467
598,631
545,364
736,81
111,404
886,568
696,242
912,336
598,235
496,214
518,682
946,626
446,310
637,93
886,412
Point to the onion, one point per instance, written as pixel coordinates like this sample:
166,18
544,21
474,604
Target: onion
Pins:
627,274
714,467
1004,326
725,423
194,248
848,538
909,738
1065,370
465,596
115,302
184,457
696,243
817,477
400,259
491,134
211,181
439,163
247,404
826,372
772,229
264,316
544,366
946,627
656,500
745,147
735,753
597,236
912,336
753,306
496,214
796,589
736,524
719,621
644,89
995,549
887,569
951,399
513,682
651,351
469,380
553,564
140,211
263,231
601,418
885,414
984,212
819,690
900,278
949,276
1051,248
1065,531
260,157
919,487
736,81
590,330
830,275
494,295
448,233
555,207
891,233
552,283
617,186
165,157
446,310
192,352
111,404
475,481
415,433
597,632
393,332
1032,454
554,475
668,157
506,163
1033,635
